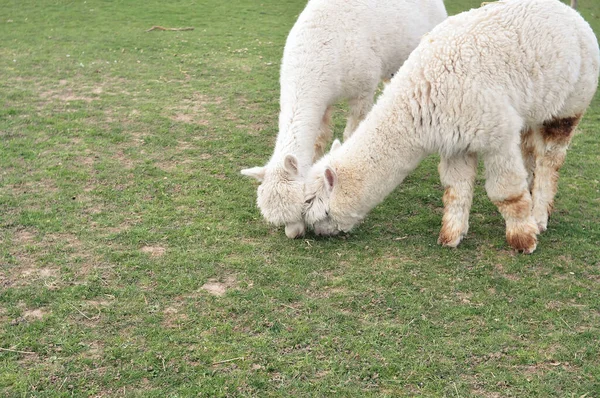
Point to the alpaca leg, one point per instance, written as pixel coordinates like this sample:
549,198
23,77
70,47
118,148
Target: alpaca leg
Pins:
325,134
359,107
552,141
506,186
457,175
528,152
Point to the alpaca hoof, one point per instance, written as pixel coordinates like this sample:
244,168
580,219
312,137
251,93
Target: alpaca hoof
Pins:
541,220
325,229
449,241
523,239
294,230
542,227
450,237
529,250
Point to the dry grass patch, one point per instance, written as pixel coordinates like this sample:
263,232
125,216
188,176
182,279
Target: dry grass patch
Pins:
170,166
123,160
541,369
3,317
154,251
35,314
43,186
218,287
499,268
23,237
173,317
94,350
65,95
29,251
194,110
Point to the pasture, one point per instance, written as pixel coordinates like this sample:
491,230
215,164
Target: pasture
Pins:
134,262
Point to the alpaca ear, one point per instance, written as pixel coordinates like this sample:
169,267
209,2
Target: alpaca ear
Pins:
255,172
290,164
330,178
335,146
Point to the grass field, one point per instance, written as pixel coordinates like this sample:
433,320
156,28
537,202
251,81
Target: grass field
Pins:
134,262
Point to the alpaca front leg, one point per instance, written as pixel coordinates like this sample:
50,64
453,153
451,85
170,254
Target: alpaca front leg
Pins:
325,134
457,175
552,141
528,152
506,185
359,107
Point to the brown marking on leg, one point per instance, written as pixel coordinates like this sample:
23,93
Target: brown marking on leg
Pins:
516,207
449,196
448,234
553,188
560,130
529,155
520,234
556,135
522,239
526,144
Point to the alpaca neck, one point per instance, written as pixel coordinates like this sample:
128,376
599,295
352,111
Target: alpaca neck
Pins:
298,130
382,152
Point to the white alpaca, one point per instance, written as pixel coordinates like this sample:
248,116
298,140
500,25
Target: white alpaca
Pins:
508,82
338,49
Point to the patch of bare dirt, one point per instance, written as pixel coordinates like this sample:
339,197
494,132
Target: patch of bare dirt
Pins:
190,119
37,313
45,185
3,317
219,288
194,110
138,137
124,160
464,298
478,388
253,129
23,237
154,251
88,158
95,350
65,91
541,368
511,277
66,95
174,317
478,392
28,249
170,166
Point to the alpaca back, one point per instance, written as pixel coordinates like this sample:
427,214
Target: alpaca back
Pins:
337,47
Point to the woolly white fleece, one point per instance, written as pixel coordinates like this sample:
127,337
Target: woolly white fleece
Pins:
474,84
338,49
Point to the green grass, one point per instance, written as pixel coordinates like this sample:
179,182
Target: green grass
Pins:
121,202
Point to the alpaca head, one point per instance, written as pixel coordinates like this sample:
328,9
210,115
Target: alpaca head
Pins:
281,194
327,205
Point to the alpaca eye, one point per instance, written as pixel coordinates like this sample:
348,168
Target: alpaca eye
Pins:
309,201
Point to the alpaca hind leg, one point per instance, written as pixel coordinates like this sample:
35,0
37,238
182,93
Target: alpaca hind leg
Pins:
552,141
359,107
457,175
325,134
506,186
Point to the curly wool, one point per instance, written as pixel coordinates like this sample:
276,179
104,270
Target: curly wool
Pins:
338,49
476,84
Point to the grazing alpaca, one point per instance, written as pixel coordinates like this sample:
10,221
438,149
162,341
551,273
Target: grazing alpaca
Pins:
507,82
338,49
